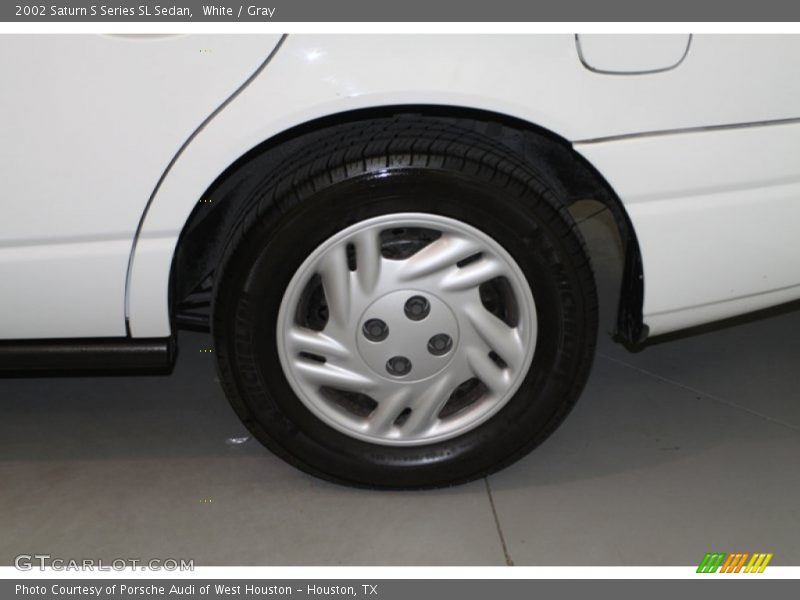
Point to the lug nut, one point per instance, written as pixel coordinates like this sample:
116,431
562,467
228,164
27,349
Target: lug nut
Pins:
398,366
440,344
375,330
417,308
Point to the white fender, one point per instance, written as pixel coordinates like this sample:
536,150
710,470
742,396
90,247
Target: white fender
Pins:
540,79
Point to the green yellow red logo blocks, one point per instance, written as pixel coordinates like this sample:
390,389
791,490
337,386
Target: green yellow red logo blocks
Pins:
735,562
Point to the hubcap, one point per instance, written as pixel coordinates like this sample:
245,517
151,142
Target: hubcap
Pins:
409,335
407,329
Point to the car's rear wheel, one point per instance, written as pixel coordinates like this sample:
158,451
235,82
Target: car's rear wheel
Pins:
405,305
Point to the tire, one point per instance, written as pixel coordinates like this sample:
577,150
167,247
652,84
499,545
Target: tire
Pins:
421,173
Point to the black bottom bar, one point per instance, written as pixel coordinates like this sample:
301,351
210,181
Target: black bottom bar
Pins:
91,354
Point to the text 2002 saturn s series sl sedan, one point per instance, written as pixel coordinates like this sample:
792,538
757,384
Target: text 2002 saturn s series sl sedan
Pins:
398,294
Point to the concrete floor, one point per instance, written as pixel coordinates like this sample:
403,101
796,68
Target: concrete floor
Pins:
686,447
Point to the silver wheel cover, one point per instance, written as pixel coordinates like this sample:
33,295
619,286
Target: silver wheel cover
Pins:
388,371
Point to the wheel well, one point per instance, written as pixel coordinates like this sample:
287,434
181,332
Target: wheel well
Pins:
205,233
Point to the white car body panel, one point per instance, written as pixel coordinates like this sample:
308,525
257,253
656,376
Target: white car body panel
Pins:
717,215
729,186
88,124
541,80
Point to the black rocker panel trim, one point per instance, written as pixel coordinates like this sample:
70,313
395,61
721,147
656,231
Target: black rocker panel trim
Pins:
90,354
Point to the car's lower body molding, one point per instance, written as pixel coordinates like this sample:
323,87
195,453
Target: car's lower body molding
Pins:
67,356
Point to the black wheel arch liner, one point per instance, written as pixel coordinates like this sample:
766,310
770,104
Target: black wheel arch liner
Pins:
570,175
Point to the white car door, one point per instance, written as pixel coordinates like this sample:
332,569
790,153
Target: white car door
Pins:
88,125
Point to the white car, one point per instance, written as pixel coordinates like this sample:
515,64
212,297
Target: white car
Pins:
378,225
